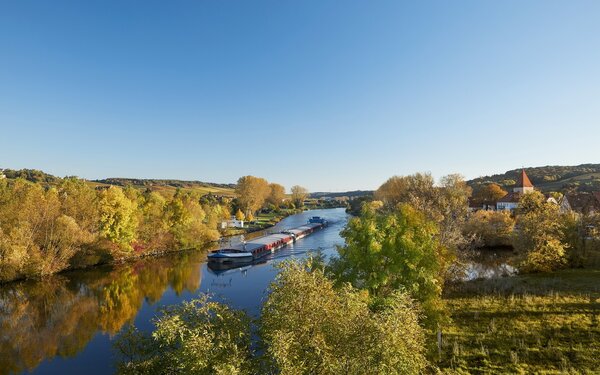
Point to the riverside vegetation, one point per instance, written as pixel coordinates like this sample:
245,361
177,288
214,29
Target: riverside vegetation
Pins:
393,302
70,225
55,224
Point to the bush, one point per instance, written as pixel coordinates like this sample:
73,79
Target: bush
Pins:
491,228
196,337
310,327
540,235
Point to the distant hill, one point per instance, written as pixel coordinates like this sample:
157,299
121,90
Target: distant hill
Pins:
163,186
154,182
355,193
170,185
584,177
32,175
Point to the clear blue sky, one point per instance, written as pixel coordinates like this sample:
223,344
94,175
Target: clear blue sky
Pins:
332,95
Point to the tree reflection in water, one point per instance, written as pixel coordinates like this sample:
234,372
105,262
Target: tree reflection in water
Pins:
59,315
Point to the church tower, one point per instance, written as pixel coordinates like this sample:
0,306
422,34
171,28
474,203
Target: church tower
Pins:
523,185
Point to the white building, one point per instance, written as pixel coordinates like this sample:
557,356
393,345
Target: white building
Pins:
232,223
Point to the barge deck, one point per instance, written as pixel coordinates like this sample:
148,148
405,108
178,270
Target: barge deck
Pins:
261,246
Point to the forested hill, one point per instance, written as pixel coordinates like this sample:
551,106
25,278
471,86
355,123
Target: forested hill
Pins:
167,186
32,175
170,186
584,177
154,182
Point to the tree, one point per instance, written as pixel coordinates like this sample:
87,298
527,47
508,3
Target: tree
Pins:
489,193
276,195
196,337
491,228
251,193
299,194
539,238
310,327
447,204
185,217
152,231
79,201
117,217
239,215
452,206
386,251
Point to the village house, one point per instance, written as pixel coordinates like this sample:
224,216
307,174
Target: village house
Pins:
232,223
583,203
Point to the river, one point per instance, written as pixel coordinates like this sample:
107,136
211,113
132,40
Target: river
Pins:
65,324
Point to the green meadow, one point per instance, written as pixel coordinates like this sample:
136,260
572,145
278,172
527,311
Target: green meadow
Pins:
544,323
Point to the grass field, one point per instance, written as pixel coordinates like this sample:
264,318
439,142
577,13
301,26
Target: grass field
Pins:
542,323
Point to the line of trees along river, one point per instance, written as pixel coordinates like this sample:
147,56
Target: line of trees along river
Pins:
48,228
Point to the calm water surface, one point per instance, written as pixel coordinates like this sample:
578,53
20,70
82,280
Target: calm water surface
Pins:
66,324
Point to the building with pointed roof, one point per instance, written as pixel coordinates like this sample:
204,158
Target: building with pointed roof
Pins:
511,200
523,185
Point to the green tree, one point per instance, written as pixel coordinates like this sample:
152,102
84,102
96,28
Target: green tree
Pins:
390,250
196,337
446,204
311,327
117,217
539,238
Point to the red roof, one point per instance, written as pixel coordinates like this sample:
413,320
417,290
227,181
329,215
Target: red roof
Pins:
524,180
511,198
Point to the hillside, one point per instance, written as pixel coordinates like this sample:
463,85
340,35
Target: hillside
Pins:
584,177
166,187
169,186
355,193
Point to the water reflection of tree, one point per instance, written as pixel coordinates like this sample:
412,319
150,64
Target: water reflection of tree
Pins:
59,315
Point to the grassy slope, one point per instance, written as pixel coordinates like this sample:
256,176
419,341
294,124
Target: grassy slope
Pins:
585,177
591,178
165,187
542,323
168,191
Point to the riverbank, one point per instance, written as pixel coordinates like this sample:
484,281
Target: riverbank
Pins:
69,321
546,322
101,255
101,259
263,221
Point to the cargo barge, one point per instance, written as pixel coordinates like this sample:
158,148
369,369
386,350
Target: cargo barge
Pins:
261,246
